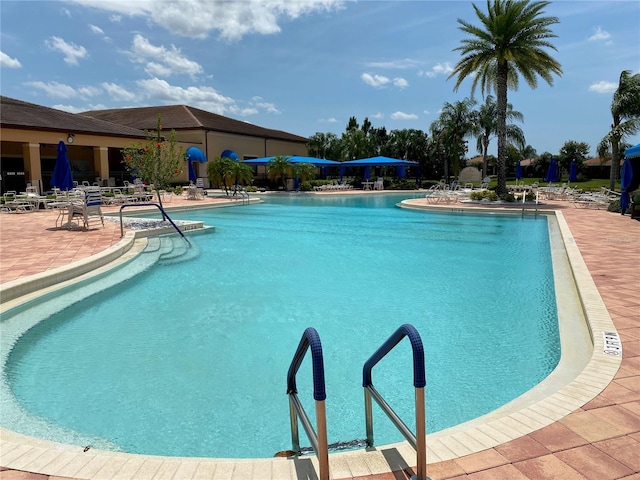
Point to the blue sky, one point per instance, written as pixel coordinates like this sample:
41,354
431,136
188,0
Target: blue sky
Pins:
305,66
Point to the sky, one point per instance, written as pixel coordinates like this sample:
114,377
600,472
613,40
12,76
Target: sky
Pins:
306,66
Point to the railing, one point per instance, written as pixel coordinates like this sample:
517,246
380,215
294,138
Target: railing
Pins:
310,339
417,441
164,214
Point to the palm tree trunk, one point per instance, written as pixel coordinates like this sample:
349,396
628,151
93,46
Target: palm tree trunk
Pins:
501,107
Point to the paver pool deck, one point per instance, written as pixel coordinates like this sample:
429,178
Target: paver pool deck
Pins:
600,440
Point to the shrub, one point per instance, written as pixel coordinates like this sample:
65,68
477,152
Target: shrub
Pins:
489,195
306,187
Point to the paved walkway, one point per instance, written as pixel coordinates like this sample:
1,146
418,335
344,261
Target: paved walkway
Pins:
599,441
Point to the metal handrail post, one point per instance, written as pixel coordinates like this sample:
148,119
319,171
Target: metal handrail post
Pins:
421,436
310,341
322,451
419,441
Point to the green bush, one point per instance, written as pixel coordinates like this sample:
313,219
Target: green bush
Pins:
306,187
489,195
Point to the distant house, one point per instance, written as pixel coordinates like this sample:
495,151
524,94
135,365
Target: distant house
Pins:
30,135
598,167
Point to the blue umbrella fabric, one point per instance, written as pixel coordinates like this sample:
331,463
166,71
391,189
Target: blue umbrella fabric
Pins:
343,170
552,175
367,172
62,177
192,171
573,171
230,154
400,171
626,177
194,154
518,170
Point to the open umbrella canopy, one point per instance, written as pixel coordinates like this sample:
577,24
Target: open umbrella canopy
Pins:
319,162
378,161
573,171
194,154
552,172
230,154
62,177
632,152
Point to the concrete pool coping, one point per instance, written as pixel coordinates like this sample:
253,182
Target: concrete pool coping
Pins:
502,425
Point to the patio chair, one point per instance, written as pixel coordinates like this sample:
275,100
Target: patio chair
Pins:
89,211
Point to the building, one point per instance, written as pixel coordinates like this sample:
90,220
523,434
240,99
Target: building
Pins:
211,133
30,134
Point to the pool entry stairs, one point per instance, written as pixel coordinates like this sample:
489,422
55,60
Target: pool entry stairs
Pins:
310,341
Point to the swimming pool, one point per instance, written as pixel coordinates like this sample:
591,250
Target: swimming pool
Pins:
353,272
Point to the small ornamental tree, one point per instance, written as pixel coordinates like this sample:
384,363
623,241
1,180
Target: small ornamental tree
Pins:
156,161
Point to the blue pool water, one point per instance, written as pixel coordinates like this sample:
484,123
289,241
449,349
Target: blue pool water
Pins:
190,358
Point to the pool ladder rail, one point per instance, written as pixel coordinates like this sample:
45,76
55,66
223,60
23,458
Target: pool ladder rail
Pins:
164,215
311,340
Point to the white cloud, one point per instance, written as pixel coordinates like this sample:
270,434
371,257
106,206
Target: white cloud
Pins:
95,29
438,69
600,35
269,107
378,115
69,108
405,63
98,31
403,116
161,61
205,98
118,93
375,80
400,82
8,62
603,87
55,89
61,90
72,52
233,20
329,120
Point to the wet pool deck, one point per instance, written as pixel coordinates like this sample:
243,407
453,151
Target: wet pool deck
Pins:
599,440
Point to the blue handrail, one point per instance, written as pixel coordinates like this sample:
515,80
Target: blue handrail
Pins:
310,339
406,330
417,440
164,214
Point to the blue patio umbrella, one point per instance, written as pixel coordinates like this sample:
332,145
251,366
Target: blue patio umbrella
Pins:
573,171
230,154
192,172
343,170
400,171
62,177
367,172
626,177
518,170
552,172
194,154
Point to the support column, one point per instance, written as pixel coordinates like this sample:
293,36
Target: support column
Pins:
101,160
32,165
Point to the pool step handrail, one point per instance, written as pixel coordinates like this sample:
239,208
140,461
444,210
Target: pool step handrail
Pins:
417,441
310,340
164,214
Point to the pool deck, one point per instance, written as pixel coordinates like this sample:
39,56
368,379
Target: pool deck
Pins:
598,440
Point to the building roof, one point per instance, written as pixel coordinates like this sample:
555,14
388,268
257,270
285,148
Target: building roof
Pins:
599,162
184,117
24,115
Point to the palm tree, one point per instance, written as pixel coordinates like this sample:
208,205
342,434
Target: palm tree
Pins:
240,173
510,43
454,124
304,171
625,110
280,168
486,126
